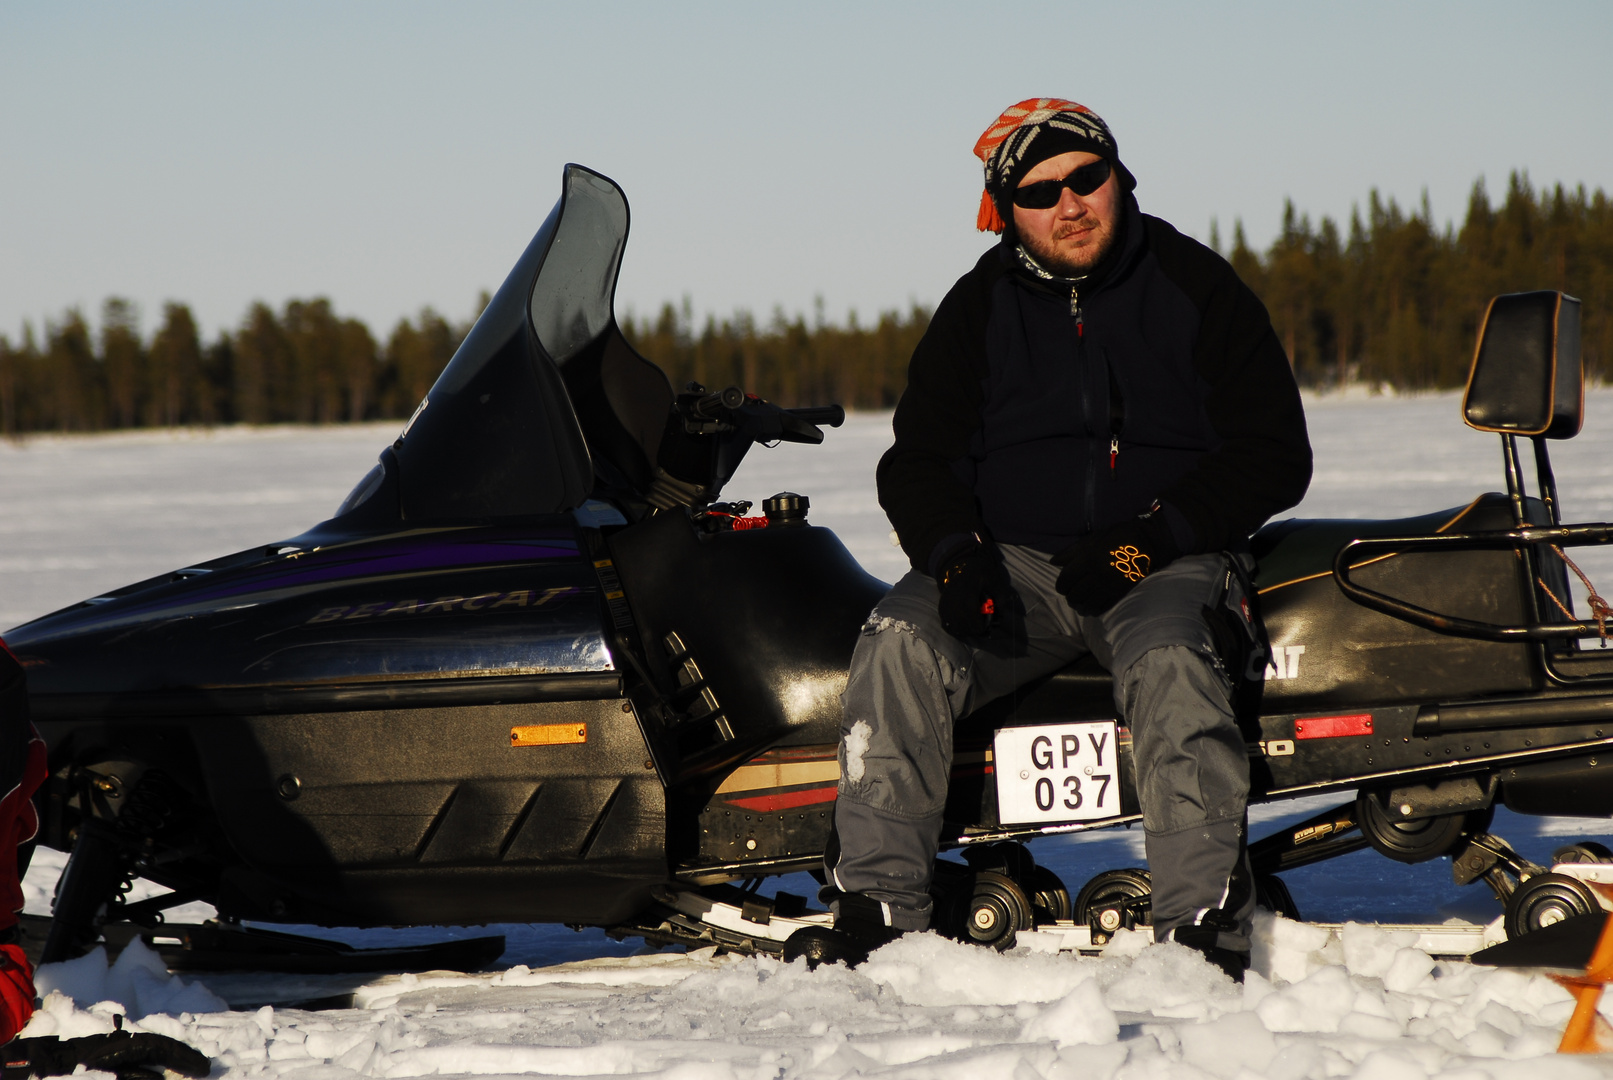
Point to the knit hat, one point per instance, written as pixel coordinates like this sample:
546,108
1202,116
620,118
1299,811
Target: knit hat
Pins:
1029,133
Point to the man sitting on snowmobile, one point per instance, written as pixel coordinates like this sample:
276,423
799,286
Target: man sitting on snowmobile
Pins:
1098,414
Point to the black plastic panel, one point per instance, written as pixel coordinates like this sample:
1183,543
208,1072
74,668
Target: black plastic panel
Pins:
770,616
376,816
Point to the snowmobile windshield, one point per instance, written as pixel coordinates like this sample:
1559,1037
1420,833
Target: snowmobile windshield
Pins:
496,436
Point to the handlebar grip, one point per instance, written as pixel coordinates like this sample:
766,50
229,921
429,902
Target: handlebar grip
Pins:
833,415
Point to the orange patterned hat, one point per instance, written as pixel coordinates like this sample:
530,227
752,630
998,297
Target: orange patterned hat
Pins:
1006,146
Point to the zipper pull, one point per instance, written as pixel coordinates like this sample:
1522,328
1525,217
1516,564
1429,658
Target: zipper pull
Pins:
1075,309
1114,451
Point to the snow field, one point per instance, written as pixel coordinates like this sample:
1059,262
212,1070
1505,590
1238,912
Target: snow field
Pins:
82,515
1359,1004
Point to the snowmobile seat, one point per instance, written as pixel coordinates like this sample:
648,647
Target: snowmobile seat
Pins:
1527,376
1299,549
1287,552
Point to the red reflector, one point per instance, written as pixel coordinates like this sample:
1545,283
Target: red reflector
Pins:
1333,727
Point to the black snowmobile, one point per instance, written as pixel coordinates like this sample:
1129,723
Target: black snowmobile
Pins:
533,671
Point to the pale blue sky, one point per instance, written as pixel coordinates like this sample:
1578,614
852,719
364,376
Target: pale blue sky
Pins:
396,154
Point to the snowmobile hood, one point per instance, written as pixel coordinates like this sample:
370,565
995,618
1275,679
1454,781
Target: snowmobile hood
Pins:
496,436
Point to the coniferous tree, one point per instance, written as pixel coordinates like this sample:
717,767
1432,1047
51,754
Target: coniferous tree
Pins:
263,368
359,368
314,335
74,377
10,362
175,370
123,358
415,355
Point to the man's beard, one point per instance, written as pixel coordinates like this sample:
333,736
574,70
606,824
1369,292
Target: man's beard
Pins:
1076,262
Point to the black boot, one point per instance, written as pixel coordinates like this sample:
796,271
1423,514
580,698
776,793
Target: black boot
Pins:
1203,938
859,929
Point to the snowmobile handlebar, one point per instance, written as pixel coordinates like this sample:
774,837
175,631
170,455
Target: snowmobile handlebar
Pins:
833,415
713,406
1357,553
733,410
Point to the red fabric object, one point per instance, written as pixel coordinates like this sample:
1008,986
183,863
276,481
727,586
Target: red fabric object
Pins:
19,823
16,991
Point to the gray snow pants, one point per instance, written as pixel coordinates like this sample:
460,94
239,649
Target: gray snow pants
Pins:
910,680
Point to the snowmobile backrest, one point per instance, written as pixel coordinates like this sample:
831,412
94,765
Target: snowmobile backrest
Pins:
1527,377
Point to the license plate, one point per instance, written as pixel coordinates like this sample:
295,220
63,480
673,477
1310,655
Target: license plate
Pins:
1056,772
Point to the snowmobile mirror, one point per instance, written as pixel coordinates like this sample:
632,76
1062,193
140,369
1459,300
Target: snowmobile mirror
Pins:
1527,377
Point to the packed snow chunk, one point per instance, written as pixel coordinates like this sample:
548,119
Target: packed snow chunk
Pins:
1533,997
139,981
1229,1045
1407,970
1390,1065
1171,980
856,746
1316,1003
590,1060
754,994
1079,1018
1369,950
1088,1062
1286,951
58,1016
930,970
1126,943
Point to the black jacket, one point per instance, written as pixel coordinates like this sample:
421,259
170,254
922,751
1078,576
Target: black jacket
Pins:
1040,416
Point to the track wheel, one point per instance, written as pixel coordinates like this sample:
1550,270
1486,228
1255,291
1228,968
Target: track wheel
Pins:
1115,900
1546,899
997,910
1585,851
1005,857
1050,900
1272,894
1407,841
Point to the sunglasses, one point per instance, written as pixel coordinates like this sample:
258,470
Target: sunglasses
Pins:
1083,181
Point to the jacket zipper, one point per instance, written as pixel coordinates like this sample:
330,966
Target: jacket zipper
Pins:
1089,506
1117,420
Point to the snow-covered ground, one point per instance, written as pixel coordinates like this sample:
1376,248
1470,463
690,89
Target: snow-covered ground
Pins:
81,515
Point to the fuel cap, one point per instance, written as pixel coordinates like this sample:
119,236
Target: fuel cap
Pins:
786,508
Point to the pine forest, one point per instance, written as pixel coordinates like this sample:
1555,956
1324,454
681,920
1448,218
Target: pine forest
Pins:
1387,299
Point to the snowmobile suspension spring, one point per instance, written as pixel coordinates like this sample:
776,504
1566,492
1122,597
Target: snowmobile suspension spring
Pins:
150,805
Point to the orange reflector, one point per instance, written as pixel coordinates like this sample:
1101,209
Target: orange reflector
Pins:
1333,727
548,734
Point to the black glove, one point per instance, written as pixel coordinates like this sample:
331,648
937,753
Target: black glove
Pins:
139,1056
975,589
1101,568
